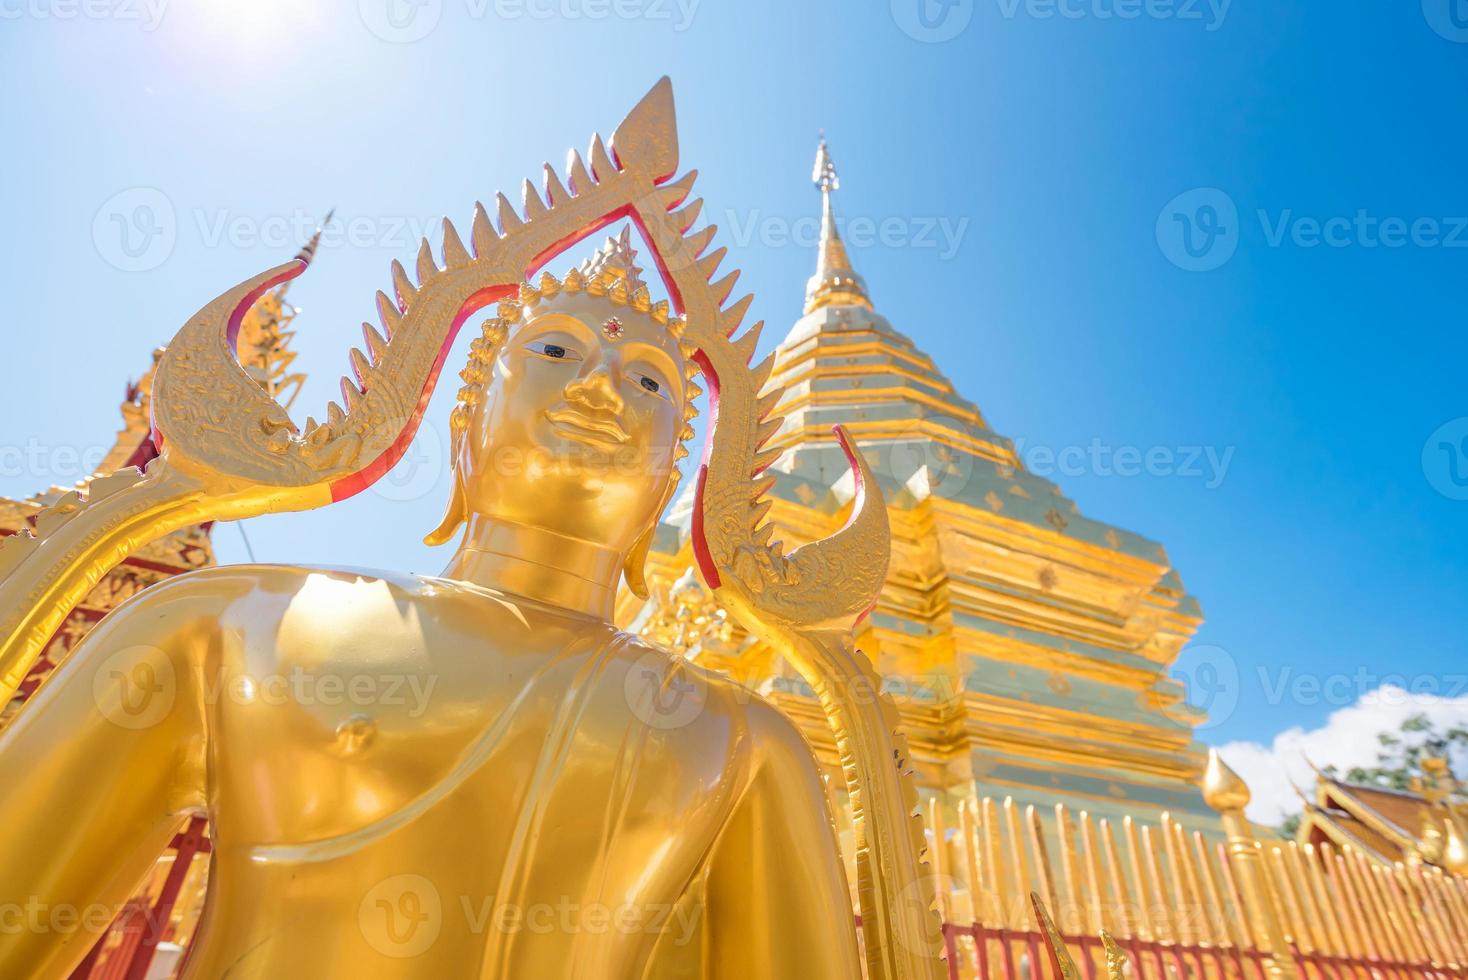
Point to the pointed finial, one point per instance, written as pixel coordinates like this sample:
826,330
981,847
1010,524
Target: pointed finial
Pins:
824,175
1062,963
835,282
308,251
1116,960
1223,788
617,259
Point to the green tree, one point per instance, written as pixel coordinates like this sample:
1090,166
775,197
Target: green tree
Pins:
1399,759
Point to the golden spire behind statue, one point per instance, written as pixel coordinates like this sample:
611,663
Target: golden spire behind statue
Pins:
835,282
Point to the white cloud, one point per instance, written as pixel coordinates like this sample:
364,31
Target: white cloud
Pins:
1348,738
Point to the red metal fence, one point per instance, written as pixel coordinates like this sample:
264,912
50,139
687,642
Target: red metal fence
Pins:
128,949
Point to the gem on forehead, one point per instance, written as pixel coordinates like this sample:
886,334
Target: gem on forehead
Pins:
612,327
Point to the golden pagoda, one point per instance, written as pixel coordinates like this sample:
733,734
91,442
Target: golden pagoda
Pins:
1027,645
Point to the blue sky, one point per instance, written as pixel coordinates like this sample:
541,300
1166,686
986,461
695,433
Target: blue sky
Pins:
1029,167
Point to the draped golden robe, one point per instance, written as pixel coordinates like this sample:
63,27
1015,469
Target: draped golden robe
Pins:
395,769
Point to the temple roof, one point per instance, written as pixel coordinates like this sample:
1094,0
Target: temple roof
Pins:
1389,825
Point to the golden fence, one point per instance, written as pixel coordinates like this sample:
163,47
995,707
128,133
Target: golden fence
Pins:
1182,904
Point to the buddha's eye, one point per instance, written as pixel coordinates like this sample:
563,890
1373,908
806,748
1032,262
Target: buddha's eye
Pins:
649,383
556,352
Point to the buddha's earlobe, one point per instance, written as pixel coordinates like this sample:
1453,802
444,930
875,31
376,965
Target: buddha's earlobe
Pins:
633,570
455,514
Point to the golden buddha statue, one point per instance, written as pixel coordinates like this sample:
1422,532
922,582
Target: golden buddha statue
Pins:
474,774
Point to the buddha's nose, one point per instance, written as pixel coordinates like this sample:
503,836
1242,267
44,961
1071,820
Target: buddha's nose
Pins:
596,390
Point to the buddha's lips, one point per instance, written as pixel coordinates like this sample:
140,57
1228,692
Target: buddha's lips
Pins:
606,429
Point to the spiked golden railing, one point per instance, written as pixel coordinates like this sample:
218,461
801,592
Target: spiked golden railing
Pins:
1160,901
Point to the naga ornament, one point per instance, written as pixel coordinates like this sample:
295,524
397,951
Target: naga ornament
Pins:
230,451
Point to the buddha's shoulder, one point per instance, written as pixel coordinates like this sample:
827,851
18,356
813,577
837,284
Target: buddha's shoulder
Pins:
260,598
669,691
270,588
228,582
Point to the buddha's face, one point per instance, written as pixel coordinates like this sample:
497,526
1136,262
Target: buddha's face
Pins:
579,423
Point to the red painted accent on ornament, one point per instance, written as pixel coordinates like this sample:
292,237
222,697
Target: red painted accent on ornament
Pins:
232,330
700,542
360,480
849,449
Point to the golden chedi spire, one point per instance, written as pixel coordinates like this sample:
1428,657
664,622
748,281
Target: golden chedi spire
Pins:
835,282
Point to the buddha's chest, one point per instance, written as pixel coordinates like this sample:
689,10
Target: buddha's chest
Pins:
420,734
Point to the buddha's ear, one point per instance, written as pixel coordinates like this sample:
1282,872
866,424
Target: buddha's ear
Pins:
456,513
632,566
